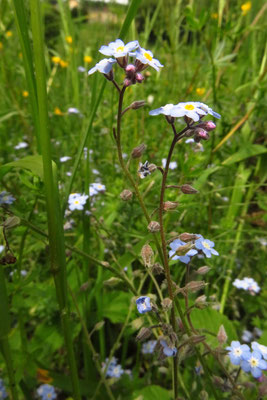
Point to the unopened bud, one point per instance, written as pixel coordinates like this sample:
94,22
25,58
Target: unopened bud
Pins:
137,104
194,286
157,269
138,151
147,255
187,237
143,334
153,227
99,325
139,77
197,338
187,189
203,270
182,250
200,302
130,71
127,82
152,167
207,125
166,304
201,134
222,335
112,281
126,195
170,205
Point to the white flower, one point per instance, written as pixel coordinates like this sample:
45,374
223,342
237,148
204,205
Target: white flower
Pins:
1,248
150,99
191,110
118,49
172,165
104,66
68,173
73,110
146,58
81,69
143,170
166,110
21,145
95,188
64,159
77,201
247,284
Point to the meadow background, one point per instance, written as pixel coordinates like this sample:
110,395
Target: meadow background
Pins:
212,51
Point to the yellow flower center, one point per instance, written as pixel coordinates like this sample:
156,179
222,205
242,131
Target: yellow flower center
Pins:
237,352
189,107
120,49
76,202
148,56
206,245
49,395
253,362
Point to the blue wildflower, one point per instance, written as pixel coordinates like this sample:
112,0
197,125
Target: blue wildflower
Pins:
104,66
206,246
114,370
46,392
247,284
143,304
175,246
253,362
149,347
236,351
260,348
118,49
6,198
168,351
3,392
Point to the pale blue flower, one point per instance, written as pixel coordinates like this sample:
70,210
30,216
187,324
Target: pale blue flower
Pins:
209,110
165,110
3,392
236,351
260,348
167,350
145,58
149,347
6,198
253,362
118,49
247,284
114,370
46,392
175,246
143,304
104,66
206,246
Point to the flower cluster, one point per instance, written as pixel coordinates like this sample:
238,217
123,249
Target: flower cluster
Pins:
46,392
77,201
6,198
247,284
200,244
3,392
249,361
114,370
121,52
96,188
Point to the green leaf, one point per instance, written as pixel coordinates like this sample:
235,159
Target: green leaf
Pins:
31,163
244,153
152,392
116,306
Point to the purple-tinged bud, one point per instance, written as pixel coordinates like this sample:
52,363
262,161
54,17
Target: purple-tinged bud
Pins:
207,125
170,205
139,77
130,71
222,335
127,82
147,255
138,151
200,134
187,189
153,227
137,104
187,237
194,286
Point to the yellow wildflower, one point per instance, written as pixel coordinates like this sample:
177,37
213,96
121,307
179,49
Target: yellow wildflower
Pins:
1,46
200,91
25,93
57,111
9,34
214,15
43,376
56,59
68,39
20,55
63,63
246,7
87,59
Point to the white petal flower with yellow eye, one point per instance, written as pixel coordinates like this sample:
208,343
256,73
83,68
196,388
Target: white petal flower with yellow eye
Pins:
118,49
165,110
77,201
191,110
146,58
104,66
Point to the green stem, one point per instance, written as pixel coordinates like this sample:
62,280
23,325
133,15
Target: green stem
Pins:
55,228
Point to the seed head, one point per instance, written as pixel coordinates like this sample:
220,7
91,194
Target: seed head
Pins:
147,255
153,227
126,195
138,151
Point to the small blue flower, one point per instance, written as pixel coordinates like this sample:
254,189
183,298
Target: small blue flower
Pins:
149,347
247,284
6,198
253,362
165,110
46,392
114,369
175,246
3,392
143,304
104,66
236,351
260,348
168,351
206,246
118,49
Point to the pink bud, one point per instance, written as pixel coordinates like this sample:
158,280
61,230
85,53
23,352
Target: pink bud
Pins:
139,77
207,125
203,134
130,68
127,82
